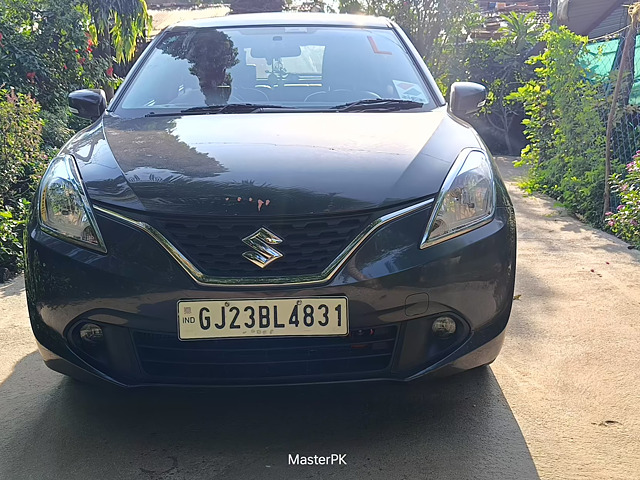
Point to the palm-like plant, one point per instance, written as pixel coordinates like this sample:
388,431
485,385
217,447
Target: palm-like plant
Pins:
521,31
119,24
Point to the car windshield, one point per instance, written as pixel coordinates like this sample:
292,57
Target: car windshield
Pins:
302,67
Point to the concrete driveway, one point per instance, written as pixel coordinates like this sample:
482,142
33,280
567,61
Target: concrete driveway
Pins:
562,401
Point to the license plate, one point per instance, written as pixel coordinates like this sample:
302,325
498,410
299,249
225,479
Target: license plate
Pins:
283,317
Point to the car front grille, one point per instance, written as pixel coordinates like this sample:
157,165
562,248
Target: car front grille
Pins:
263,360
215,246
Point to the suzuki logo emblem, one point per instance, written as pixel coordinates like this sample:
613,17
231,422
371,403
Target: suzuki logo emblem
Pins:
263,252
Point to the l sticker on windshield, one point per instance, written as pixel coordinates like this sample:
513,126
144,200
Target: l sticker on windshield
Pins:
374,47
410,91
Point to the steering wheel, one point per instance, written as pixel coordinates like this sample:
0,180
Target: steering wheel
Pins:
342,95
247,95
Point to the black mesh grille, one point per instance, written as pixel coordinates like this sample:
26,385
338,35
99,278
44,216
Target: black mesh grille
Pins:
215,245
165,358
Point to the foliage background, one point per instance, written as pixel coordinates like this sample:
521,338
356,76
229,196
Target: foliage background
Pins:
49,48
625,221
21,162
565,126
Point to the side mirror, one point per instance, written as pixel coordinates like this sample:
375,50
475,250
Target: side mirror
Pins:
88,103
467,98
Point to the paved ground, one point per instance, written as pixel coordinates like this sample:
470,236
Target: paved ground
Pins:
561,402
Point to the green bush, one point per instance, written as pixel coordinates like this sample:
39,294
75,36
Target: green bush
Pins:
625,222
21,163
501,65
49,48
565,127
46,50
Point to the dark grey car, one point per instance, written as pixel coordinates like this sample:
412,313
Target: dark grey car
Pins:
272,199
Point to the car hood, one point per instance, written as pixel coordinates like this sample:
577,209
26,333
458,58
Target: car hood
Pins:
268,163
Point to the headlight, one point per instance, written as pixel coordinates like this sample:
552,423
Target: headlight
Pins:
64,208
466,201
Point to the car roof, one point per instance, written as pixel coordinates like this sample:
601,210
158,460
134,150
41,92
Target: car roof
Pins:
286,18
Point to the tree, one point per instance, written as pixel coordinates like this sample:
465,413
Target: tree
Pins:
117,26
256,6
435,27
211,54
350,6
564,126
45,51
312,6
502,66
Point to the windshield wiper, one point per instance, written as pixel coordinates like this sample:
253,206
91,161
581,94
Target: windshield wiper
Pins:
230,108
214,109
378,104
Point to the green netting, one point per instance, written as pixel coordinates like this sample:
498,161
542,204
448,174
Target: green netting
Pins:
600,60
600,57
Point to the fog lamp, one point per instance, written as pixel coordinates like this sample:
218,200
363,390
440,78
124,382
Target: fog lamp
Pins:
91,333
444,327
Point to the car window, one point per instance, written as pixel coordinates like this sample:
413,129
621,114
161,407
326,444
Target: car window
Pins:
296,67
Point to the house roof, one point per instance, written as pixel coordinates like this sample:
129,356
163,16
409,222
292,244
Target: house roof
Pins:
514,5
618,19
595,17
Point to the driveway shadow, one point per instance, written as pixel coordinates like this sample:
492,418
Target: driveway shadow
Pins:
456,428
12,287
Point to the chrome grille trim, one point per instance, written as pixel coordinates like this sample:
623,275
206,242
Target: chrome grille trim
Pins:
322,277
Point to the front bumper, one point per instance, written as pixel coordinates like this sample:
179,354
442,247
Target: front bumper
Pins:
393,299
